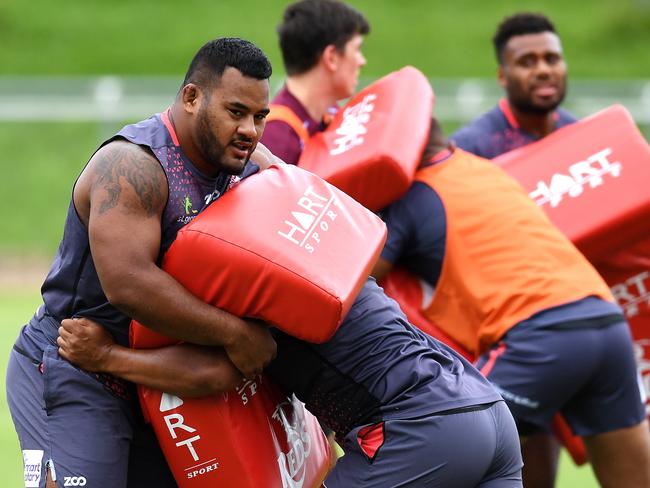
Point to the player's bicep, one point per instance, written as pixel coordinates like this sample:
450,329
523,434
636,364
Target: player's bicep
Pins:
127,197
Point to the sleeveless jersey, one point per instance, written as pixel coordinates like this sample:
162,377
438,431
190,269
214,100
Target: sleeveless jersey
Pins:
72,287
376,367
494,274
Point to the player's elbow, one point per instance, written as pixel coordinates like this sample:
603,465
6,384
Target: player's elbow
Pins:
116,297
125,294
122,300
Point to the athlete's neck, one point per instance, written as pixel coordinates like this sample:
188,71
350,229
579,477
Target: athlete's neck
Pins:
312,93
181,123
537,124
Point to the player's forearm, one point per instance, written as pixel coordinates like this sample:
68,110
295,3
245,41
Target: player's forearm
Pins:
184,370
158,301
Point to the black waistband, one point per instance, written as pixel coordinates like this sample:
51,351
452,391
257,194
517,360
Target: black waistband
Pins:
24,353
469,408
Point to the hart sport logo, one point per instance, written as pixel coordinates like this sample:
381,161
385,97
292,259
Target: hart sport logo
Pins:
633,293
247,389
590,172
311,220
184,435
353,128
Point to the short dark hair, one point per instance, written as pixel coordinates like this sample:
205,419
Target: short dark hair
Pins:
517,25
309,26
215,56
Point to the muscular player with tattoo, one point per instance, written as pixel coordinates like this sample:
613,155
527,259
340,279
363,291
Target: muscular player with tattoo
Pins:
127,205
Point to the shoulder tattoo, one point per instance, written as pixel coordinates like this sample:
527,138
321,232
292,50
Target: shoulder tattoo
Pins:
121,164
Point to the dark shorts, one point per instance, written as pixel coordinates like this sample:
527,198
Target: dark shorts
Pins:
69,423
478,447
588,374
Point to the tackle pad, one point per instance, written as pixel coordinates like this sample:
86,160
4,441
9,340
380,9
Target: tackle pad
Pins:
288,248
589,178
373,146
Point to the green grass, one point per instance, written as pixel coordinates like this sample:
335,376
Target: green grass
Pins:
16,307
607,39
572,476
34,194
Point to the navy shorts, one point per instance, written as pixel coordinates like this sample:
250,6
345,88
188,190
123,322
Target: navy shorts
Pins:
588,374
70,424
477,446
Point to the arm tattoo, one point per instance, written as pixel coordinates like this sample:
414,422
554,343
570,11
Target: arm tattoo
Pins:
126,163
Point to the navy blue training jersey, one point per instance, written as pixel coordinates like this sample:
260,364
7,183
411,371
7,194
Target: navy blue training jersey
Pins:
72,287
497,132
376,367
417,229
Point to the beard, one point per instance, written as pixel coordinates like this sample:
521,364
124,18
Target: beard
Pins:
211,149
525,103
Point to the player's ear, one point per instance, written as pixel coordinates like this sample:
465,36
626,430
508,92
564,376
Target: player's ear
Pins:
191,96
501,76
330,57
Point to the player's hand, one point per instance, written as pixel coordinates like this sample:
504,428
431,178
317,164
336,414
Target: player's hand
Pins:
85,343
253,348
264,158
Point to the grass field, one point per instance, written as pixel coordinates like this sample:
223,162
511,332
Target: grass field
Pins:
15,307
605,40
